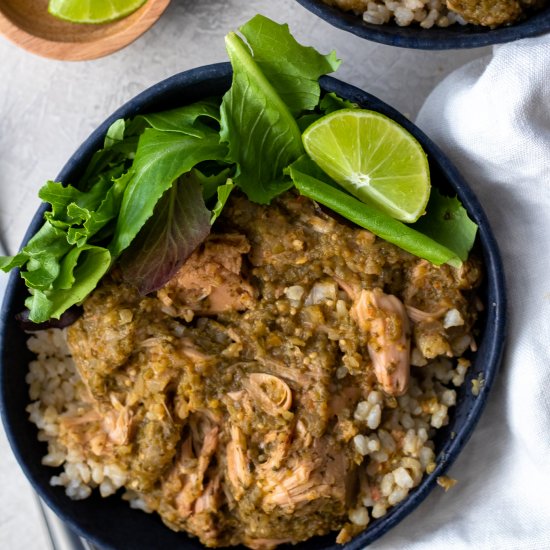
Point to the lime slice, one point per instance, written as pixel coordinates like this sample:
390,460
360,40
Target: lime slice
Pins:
93,11
373,158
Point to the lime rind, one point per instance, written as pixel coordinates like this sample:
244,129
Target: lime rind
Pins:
93,11
373,158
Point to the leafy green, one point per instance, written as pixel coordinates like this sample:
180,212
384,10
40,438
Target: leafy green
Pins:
114,159
180,223
223,192
274,80
329,103
40,256
332,102
447,222
210,183
115,133
79,272
292,70
58,263
60,197
262,135
96,222
304,172
83,215
122,183
187,119
161,158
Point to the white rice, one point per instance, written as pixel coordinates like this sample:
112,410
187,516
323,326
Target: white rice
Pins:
57,391
426,13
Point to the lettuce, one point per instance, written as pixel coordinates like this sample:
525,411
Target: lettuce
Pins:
274,80
291,69
447,222
90,224
161,158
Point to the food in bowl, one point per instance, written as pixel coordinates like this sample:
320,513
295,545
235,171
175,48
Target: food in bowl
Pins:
265,394
281,337
429,13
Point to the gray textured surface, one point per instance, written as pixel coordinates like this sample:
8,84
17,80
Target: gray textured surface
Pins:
47,108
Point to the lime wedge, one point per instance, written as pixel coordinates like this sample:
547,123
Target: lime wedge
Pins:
93,11
373,158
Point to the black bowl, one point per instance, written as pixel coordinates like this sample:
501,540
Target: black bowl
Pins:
437,38
110,523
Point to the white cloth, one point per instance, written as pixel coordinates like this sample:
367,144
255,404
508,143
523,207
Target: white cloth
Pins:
492,117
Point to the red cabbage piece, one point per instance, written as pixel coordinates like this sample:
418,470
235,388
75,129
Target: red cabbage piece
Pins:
179,224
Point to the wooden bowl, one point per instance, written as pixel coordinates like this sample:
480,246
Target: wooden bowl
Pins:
28,24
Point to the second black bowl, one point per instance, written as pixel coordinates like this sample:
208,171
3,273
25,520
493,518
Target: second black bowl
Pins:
453,37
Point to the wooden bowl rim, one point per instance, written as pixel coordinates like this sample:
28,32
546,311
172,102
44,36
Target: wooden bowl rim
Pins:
139,22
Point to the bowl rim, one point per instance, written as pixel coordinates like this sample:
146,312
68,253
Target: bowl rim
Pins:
494,273
435,38
139,22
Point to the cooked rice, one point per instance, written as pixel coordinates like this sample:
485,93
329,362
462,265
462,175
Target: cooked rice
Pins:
426,13
57,392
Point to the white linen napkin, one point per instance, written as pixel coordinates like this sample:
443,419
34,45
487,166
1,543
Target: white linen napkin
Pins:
492,118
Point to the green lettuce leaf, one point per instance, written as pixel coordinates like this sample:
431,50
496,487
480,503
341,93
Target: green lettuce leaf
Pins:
68,256
40,257
60,272
161,158
187,119
115,133
120,144
69,204
223,192
210,183
261,133
96,222
328,104
332,102
447,222
274,79
292,70
79,272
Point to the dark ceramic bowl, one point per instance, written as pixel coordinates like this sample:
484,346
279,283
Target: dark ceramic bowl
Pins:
110,523
437,38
